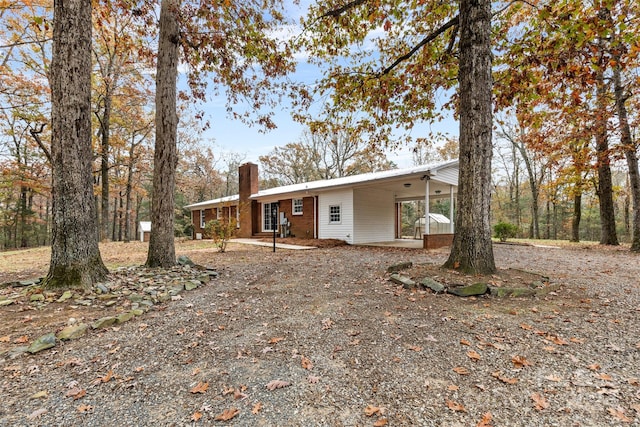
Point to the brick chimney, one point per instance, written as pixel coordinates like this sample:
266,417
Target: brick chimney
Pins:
248,185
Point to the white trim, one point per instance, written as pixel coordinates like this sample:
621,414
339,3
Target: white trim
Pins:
264,218
202,214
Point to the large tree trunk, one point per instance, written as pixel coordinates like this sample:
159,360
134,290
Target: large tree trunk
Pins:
577,215
630,154
472,250
161,244
75,256
608,235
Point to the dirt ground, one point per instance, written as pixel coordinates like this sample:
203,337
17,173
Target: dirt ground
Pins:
322,338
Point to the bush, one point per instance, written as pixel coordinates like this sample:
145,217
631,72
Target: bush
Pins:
504,230
221,231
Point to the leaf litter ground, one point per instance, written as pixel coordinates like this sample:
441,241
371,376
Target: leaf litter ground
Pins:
322,338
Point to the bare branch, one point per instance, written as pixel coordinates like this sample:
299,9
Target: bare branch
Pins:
452,23
35,133
339,11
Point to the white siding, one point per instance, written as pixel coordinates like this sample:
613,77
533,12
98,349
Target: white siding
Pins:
374,218
344,230
447,175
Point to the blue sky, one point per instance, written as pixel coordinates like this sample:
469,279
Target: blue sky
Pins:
234,136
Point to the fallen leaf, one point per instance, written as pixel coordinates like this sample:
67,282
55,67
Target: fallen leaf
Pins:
503,378
520,361
461,370
605,377
619,414
485,421
327,323
526,326
380,423
40,395
76,393
313,379
557,340
539,401
415,348
577,340
453,387
85,408
371,410
473,355
21,340
594,367
306,363
5,338
227,414
455,406
196,371
274,384
238,394
553,378
36,414
464,342
196,416
107,377
256,408
275,340
200,388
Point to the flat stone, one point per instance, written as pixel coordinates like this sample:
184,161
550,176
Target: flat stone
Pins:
399,267
28,282
110,303
435,286
65,296
73,332
191,285
137,312
185,260
511,292
406,282
6,302
36,297
42,343
104,322
102,288
135,297
469,291
16,352
204,278
124,317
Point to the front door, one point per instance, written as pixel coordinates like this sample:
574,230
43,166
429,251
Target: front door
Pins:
267,216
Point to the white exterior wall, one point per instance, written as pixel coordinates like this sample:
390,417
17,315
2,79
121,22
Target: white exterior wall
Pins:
375,215
344,230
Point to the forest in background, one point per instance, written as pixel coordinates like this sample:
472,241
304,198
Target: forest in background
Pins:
559,149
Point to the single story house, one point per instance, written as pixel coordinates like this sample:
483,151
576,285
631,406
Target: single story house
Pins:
358,209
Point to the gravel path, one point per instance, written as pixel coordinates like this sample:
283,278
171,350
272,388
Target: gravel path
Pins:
322,338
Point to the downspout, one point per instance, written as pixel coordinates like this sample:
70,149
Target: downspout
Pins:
315,217
451,222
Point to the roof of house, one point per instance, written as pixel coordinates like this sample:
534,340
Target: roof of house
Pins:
430,170
207,203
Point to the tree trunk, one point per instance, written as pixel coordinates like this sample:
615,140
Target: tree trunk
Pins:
630,154
472,249
577,216
104,164
161,244
608,235
75,256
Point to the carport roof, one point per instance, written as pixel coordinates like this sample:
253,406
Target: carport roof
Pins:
394,174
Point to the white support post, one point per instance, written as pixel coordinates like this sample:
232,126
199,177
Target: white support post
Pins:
451,200
426,206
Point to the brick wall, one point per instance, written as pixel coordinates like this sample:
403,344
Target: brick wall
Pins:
434,241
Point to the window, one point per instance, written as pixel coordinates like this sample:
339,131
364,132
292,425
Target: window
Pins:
202,224
297,207
334,214
218,213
